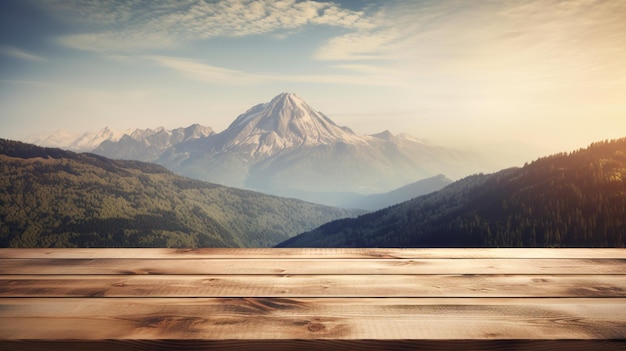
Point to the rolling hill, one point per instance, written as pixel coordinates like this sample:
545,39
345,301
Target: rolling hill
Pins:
55,198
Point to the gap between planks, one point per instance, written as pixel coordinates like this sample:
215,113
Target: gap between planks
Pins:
324,253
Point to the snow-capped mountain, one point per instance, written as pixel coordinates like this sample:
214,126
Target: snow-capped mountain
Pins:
79,142
148,144
283,123
287,148
139,144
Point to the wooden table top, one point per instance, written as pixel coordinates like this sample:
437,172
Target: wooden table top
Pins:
350,299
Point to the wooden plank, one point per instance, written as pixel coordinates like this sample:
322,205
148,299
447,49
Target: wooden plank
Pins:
327,253
315,345
314,286
312,266
500,299
315,318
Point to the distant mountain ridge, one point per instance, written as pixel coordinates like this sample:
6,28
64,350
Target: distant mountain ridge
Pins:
56,198
575,199
148,144
77,142
117,143
374,202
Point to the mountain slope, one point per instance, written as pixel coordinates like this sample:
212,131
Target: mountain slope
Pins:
50,197
285,147
576,199
375,202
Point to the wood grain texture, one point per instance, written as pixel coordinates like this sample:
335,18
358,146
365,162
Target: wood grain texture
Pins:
325,253
312,318
313,286
311,299
313,266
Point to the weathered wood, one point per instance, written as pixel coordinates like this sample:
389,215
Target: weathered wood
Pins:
313,286
312,266
325,253
439,299
325,318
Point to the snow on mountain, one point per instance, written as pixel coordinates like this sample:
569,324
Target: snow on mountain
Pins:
400,138
285,122
285,147
79,142
60,138
89,141
138,144
148,144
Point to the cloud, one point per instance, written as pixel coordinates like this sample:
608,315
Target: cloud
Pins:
20,54
366,45
197,70
126,25
390,31
453,30
470,48
497,52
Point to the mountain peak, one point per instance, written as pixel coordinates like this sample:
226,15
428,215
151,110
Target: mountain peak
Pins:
286,121
289,101
286,95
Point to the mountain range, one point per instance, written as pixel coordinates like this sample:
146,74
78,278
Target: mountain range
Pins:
285,147
78,142
148,144
575,199
55,198
51,197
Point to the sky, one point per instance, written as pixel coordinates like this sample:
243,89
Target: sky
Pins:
512,79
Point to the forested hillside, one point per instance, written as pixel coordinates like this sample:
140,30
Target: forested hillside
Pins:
564,200
55,198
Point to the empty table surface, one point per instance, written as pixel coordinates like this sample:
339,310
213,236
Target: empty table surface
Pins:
360,299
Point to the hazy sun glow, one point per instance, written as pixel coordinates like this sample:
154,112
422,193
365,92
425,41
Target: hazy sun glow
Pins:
514,79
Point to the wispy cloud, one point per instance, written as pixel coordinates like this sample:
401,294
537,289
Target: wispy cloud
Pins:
461,30
197,70
377,44
157,24
20,54
522,51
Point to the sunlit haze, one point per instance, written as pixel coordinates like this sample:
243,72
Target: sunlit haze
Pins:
513,80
